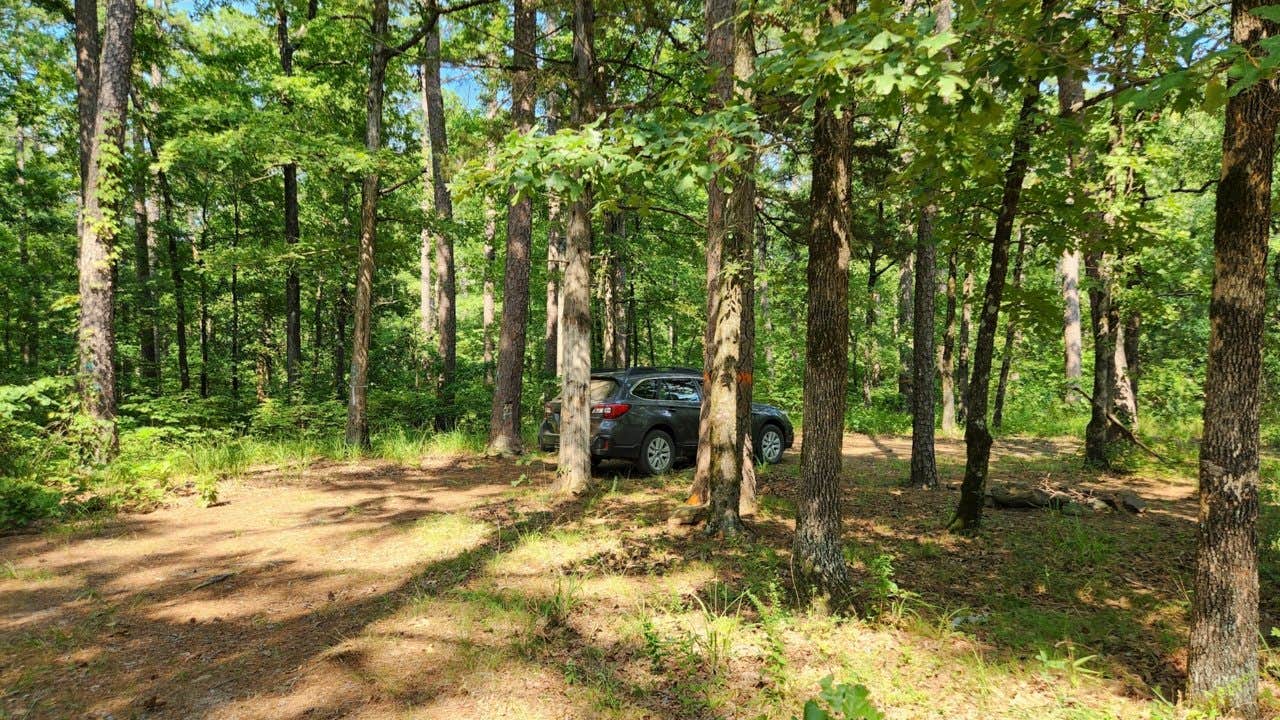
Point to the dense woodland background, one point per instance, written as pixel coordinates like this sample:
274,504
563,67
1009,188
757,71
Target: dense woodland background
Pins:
330,223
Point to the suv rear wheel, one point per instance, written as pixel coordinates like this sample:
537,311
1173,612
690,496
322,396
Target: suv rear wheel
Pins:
769,447
657,453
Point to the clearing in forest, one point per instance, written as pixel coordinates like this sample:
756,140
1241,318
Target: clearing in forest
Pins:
458,588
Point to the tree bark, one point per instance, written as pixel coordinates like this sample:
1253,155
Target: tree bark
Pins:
871,357
488,305
87,46
358,398
504,418
817,548
27,309
574,469
742,219
977,437
426,257
1010,342
555,249
963,348
924,466
198,252
1223,655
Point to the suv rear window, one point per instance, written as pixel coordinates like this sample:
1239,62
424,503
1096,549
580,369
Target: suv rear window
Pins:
646,389
602,388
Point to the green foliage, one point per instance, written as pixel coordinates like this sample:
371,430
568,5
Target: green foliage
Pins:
841,702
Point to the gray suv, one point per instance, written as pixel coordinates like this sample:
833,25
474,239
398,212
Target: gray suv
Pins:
650,416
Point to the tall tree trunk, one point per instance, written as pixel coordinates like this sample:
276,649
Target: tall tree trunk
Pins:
99,227
176,278
963,347
946,356
762,294
742,221
489,302
555,250
28,313
341,311
574,469
235,299
1223,657
924,466
1011,336
817,548
198,253
871,356
357,405
730,247
148,350
504,419
442,211
977,437
1070,100
902,327
426,256
612,280
292,286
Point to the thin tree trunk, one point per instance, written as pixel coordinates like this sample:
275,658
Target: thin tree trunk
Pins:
176,277
489,303
341,311
426,257
148,351
817,548
574,469
963,352
924,467
762,294
1222,660
902,327
742,221
555,250
235,299
357,405
976,435
1011,336
946,356
871,357
504,418
99,227
28,313
204,302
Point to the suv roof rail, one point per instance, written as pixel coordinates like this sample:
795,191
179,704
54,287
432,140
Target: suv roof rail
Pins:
647,369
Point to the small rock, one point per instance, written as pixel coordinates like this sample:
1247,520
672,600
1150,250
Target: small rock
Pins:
1132,503
688,515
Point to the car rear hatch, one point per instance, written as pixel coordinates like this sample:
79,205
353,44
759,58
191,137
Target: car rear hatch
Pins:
603,387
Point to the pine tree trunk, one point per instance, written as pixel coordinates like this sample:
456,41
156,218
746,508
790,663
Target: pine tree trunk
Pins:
426,257
1223,656
574,469
99,228
817,549
946,357
358,399
1010,342
977,437
87,45
742,221
924,467
504,419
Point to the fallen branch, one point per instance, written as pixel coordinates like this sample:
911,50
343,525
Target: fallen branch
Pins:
1127,432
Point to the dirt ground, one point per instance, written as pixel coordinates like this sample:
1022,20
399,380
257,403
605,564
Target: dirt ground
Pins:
460,589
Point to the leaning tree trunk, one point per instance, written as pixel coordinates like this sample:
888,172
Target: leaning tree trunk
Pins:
977,437
924,467
504,418
100,225
574,470
358,398
817,548
1223,657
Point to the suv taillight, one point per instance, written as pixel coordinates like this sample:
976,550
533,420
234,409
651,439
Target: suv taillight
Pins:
610,411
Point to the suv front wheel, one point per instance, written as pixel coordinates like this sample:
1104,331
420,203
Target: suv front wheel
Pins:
657,453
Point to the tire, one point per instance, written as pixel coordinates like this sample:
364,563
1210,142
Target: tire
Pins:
769,445
657,453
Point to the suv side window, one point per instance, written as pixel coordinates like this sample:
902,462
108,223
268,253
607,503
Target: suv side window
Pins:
682,390
646,390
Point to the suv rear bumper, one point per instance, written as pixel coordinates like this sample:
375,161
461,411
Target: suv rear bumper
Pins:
603,444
